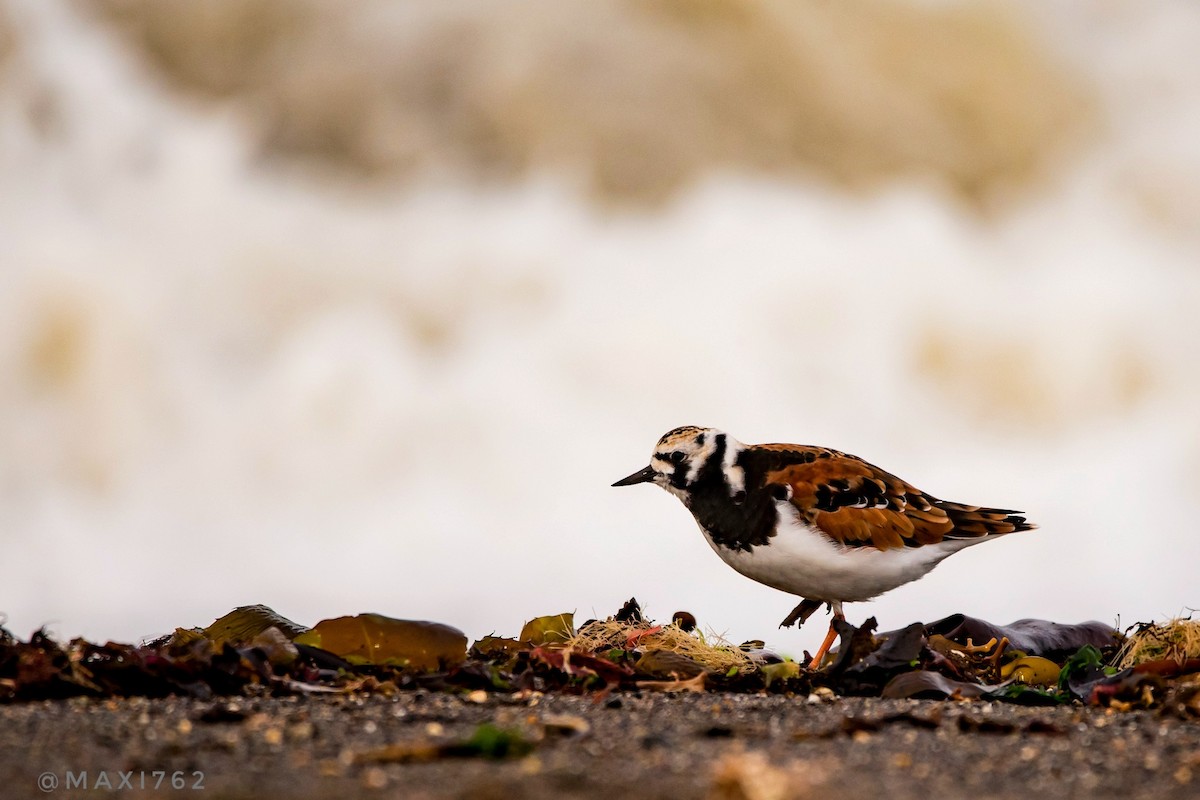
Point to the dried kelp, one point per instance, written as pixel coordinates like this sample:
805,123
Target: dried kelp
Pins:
253,650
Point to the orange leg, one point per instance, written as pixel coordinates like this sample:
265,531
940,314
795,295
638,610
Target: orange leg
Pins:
825,645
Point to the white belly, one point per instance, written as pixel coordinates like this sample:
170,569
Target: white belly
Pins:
804,562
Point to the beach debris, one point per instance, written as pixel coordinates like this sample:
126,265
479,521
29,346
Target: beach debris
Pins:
487,741
253,650
376,639
552,630
1177,639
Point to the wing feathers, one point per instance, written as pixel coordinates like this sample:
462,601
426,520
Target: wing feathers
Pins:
859,505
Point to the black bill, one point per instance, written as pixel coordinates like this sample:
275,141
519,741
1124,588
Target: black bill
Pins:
641,476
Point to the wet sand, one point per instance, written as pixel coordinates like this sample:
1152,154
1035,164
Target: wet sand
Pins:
646,745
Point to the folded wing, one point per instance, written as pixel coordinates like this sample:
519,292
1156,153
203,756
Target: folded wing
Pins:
857,504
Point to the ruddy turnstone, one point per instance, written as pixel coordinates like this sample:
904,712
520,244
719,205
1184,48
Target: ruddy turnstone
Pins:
813,522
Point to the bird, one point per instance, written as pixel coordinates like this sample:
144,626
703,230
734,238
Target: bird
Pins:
814,522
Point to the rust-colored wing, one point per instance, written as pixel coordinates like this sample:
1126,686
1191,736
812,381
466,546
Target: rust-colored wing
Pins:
860,505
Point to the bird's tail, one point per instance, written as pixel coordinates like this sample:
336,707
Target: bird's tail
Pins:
973,522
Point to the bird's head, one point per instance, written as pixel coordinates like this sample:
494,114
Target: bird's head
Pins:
686,456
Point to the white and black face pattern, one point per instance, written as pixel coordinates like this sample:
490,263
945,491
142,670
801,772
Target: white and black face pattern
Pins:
681,455
688,456
685,456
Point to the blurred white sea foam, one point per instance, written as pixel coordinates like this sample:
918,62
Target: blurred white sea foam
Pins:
228,381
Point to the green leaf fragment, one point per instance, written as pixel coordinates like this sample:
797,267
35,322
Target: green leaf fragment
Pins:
492,742
1086,659
782,671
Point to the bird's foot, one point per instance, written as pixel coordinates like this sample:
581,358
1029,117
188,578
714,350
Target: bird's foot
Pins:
828,643
801,613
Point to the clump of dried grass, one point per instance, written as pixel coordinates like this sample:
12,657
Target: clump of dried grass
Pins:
711,652
1177,640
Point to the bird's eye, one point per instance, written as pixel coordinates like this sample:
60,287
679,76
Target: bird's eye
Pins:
677,457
